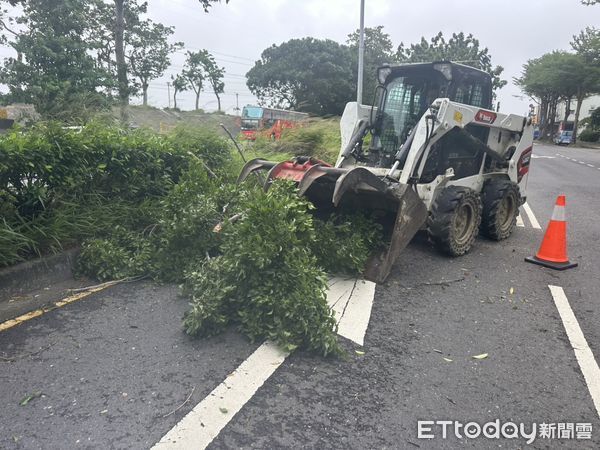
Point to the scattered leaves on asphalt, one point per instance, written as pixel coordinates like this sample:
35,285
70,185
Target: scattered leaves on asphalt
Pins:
511,291
482,356
223,410
448,359
359,352
29,397
437,351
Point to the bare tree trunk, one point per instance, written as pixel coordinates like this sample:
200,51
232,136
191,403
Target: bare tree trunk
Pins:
120,56
544,118
197,100
580,98
145,94
552,115
567,109
175,99
218,102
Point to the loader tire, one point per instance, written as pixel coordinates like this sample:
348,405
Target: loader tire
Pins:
454,220
501,199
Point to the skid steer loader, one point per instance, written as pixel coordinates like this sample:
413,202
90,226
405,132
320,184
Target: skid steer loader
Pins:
439,158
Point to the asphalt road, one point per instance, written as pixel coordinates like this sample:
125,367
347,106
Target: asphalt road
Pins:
113,370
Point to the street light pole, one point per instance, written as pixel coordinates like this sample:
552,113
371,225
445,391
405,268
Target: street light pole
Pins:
361,53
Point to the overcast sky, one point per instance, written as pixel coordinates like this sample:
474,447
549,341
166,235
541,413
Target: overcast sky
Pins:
237,33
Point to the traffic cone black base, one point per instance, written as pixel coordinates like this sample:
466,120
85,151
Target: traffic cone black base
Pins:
550,264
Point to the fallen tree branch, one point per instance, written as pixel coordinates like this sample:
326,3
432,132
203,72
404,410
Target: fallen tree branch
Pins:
182,405
438,283
108,283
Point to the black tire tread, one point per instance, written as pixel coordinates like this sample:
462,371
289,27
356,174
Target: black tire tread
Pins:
441,216
494,191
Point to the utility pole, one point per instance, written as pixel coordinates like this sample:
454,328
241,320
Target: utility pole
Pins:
169,93
237,103
361,53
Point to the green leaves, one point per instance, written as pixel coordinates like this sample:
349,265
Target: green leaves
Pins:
58,186
460,48
267,281
308,74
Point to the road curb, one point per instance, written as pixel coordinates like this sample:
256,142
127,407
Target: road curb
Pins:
36,274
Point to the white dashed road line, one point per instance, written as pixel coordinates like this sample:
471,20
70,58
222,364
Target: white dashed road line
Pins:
351,301
577,161
532,219
583,353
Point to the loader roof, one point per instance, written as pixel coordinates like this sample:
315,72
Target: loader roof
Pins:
448,68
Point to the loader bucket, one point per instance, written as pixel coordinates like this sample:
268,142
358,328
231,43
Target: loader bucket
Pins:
356,188
411,216
410,213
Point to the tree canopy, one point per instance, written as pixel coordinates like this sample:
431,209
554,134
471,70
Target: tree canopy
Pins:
310,75
460,48
213,74
147,52
194,74
74,55
54,69
378,50
557,76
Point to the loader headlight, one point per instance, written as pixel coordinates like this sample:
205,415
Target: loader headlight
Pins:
382,73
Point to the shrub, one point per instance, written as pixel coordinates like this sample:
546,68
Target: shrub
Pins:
590,136
49,172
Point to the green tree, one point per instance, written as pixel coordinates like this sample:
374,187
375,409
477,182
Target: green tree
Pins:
121,61
212,73
308,74
193,72
587,47
54,68
378,50
459,48
554,77
148,51
180,84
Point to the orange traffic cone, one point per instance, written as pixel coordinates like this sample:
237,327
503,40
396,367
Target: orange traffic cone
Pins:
553,251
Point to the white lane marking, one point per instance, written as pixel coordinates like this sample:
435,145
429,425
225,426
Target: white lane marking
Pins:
353,309
534,223
583,353
542,157
520,222
589,165
581,162
351,301
203,423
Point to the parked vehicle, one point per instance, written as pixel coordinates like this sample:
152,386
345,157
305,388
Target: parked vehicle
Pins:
268,122
563,138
